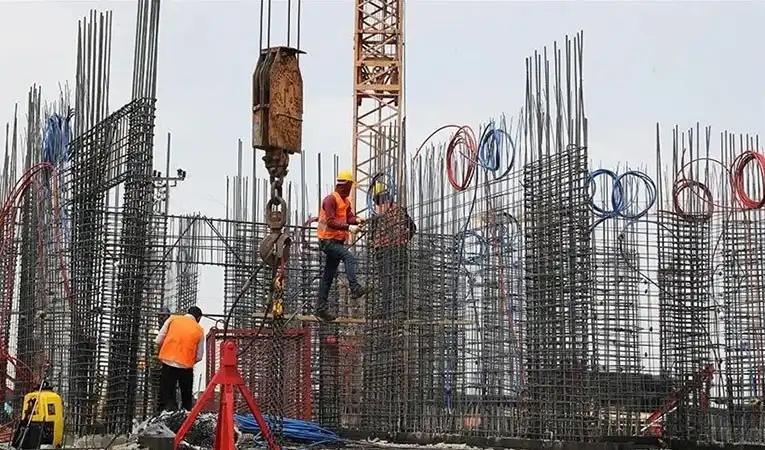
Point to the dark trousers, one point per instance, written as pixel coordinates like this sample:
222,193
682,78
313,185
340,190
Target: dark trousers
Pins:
171,378
335,251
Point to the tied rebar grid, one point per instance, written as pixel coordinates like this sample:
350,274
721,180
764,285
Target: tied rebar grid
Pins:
739,280
133,268
558,283
388,336
102,161
433,285
8,258
31,341
685,281
742,272
557,247
255,360
625,356
153,302
492,274
242,236
186,266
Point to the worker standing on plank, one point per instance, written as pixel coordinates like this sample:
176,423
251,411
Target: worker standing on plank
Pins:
336,223
181,342
390,232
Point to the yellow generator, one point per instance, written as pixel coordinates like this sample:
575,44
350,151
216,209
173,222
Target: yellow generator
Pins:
42,421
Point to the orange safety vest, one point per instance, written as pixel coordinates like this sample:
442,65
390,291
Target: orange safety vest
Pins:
341,212
181,341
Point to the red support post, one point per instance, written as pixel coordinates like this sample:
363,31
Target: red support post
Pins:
227,376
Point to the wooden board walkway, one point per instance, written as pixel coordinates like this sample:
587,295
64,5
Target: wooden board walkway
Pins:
361,320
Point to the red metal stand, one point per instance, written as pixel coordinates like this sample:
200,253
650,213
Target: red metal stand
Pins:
228,377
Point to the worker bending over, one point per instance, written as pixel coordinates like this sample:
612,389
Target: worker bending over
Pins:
181,342
336,222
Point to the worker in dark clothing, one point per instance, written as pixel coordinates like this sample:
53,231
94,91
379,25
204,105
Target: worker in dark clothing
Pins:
181,342
336,223
390,230
389,307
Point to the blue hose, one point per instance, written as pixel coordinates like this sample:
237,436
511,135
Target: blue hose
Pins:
294,429
389,182
620,204
493,143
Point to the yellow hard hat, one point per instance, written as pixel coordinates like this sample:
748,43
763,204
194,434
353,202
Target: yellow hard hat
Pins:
379,188
345,175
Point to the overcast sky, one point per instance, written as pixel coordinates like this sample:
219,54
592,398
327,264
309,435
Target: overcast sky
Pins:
676,62
671,62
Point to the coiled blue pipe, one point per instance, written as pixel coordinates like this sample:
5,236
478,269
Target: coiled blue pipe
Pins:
621,205
294,429
390,185
492,145
493,141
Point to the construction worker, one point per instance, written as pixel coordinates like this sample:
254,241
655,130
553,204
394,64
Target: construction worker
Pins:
390,232
181,342
392,227
387,309
336,223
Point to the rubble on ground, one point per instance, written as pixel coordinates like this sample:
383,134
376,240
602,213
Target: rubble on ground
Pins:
200,435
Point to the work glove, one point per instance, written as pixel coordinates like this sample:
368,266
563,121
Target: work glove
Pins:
354,228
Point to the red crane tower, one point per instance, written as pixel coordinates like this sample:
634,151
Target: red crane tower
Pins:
378,92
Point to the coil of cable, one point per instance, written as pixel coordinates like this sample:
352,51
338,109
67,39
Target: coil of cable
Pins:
462,156
389,184
493,144
738,172
693,200
621,203
294,429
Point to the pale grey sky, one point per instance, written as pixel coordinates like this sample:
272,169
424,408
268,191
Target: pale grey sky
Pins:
672,62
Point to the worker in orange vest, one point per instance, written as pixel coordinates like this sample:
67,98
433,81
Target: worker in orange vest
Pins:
181,342
336,223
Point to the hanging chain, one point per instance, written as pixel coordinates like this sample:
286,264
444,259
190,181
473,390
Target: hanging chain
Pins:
277,129
275,247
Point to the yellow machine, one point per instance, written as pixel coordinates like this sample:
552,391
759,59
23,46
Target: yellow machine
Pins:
42,421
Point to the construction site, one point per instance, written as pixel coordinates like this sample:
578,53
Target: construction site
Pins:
542,298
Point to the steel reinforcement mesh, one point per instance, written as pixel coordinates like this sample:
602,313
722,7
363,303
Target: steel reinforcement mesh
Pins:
685,280
110,282
558,297
743,269
254,356
518,309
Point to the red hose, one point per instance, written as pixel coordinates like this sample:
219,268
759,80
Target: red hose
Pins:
9,243
738,170
464,143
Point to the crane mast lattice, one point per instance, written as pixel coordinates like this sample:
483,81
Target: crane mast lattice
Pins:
378,93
